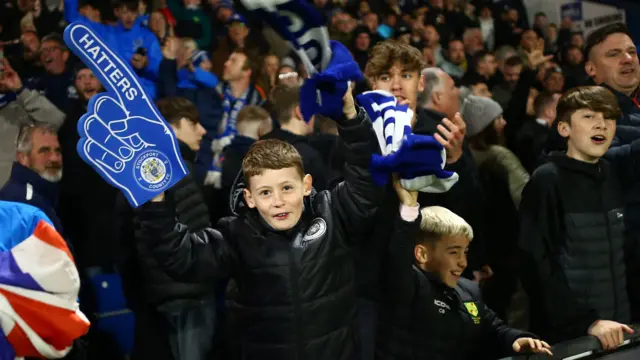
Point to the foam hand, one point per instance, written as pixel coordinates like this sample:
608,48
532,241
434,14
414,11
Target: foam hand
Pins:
123,136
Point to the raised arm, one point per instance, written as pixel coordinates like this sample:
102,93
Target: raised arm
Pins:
183,253
399,280
356,199
29,107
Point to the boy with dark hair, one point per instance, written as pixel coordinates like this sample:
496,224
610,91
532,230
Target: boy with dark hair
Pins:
572,229
294,130
429,311
175,319
289,250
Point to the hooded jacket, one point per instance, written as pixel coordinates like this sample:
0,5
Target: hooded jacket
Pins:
296,293
572,233
421,318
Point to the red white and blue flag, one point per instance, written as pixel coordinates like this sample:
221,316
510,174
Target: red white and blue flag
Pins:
39,285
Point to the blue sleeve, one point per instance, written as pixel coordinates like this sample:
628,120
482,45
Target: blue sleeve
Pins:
154,56
71,14
205,78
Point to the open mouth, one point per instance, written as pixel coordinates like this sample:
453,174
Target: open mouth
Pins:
456,273
627,71
281,216
598,139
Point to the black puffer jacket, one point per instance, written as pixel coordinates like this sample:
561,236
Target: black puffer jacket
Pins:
421,318
296,293
145,282
572,232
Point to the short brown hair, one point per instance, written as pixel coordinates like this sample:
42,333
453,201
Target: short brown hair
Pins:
249,63
271,154
513,61
385,54
284,99
252,113
594,98
175,108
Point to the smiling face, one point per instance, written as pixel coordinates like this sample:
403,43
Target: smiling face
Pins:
278,196
446,257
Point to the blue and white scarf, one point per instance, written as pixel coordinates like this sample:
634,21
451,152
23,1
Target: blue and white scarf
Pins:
329,63
419,159
226,132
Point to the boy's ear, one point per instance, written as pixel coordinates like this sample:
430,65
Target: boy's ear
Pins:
421,83
307,182
421,253
248,198
564,129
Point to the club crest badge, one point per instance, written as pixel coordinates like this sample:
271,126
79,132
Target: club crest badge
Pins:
153,170
316,230
472,309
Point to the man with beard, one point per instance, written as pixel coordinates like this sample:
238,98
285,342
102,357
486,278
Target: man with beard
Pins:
36,172
27,107
28,63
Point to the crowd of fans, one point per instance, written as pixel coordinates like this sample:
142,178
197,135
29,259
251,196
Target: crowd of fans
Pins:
223,81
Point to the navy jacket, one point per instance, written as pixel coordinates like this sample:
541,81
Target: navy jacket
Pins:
27,187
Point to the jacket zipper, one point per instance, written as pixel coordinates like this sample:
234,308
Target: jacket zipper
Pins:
295,286
611,257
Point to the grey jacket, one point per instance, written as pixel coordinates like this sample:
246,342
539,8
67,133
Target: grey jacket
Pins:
29,108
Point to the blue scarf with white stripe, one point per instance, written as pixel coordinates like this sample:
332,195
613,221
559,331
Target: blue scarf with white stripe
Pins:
418,159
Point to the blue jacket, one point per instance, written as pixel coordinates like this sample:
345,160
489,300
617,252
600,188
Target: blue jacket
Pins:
125,43
27,187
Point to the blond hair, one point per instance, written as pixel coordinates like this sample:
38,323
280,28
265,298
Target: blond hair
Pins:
438,222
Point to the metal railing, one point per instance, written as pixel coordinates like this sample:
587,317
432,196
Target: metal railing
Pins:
588,347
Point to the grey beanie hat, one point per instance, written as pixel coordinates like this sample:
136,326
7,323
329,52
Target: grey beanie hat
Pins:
478,113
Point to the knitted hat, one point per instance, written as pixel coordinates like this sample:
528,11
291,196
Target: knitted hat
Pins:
478,113
199,57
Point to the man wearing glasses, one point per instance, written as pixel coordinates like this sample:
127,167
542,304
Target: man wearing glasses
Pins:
56,81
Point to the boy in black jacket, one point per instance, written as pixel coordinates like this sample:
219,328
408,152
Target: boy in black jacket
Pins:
572,228
289,250
430,312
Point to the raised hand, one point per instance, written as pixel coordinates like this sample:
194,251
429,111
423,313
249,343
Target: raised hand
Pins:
123,136
453,132
9,78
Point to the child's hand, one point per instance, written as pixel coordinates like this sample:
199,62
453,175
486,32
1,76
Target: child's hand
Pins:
533,345
407,198
349,105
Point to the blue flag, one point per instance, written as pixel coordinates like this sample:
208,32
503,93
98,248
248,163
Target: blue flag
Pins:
122,135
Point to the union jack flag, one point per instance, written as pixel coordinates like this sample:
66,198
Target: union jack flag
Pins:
39,285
